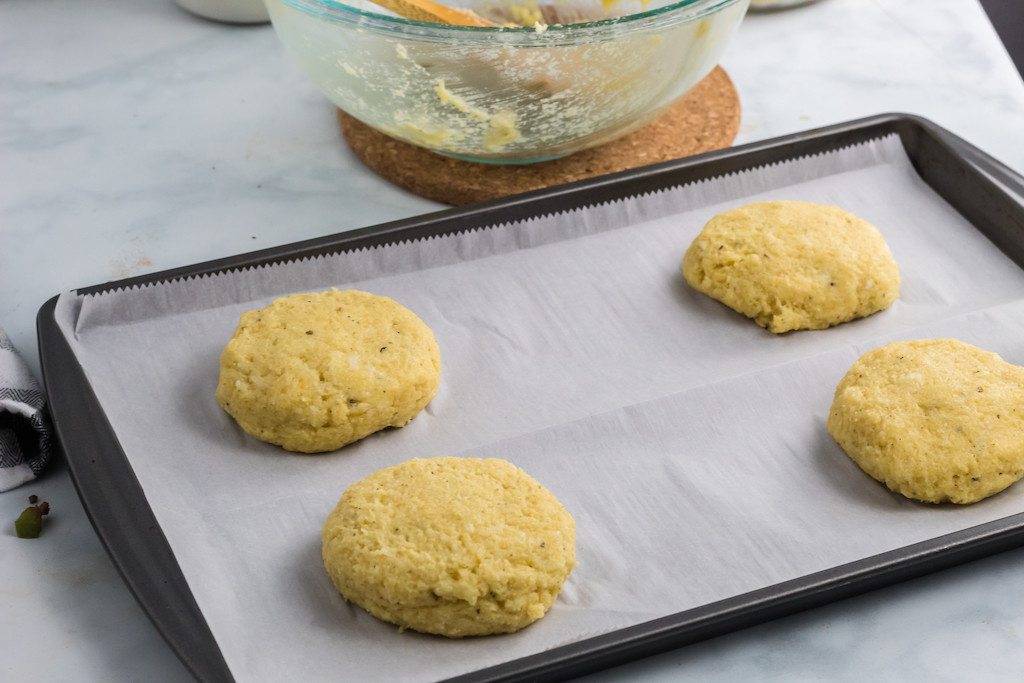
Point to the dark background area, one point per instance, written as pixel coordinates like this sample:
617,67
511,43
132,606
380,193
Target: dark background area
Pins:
1008,18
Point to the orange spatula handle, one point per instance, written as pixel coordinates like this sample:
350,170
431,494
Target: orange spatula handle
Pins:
433,12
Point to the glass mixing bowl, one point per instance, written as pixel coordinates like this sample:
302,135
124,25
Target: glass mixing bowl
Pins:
509,94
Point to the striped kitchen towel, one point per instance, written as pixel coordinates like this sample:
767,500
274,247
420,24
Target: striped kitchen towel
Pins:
24,422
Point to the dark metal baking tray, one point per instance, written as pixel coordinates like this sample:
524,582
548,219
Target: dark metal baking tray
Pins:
983,190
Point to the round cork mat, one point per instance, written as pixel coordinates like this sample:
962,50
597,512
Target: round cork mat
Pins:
708,118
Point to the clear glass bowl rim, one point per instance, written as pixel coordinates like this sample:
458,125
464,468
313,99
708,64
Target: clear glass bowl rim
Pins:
655,18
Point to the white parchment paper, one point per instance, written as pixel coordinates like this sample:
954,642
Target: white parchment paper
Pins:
688,443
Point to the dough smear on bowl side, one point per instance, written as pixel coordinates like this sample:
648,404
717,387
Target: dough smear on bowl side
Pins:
450,546
793,265
315,372
936,420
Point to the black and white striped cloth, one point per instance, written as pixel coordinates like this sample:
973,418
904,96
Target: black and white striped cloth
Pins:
24,423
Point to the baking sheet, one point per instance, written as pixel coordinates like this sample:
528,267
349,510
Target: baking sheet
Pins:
688,443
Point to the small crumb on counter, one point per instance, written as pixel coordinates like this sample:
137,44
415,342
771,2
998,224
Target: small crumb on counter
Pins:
30,522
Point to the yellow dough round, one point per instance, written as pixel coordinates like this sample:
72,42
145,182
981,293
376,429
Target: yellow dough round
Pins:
314,372
936,420
793,265
451,546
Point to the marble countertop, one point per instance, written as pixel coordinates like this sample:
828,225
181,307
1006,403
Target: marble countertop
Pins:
137,137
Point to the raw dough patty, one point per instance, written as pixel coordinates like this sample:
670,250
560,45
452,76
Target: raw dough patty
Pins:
451,546
933,419
313,372
793,265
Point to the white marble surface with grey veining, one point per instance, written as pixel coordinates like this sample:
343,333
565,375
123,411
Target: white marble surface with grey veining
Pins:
136,137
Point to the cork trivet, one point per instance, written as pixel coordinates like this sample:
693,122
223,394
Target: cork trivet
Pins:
708,118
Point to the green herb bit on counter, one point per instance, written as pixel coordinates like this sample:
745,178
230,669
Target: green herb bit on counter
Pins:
30,523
